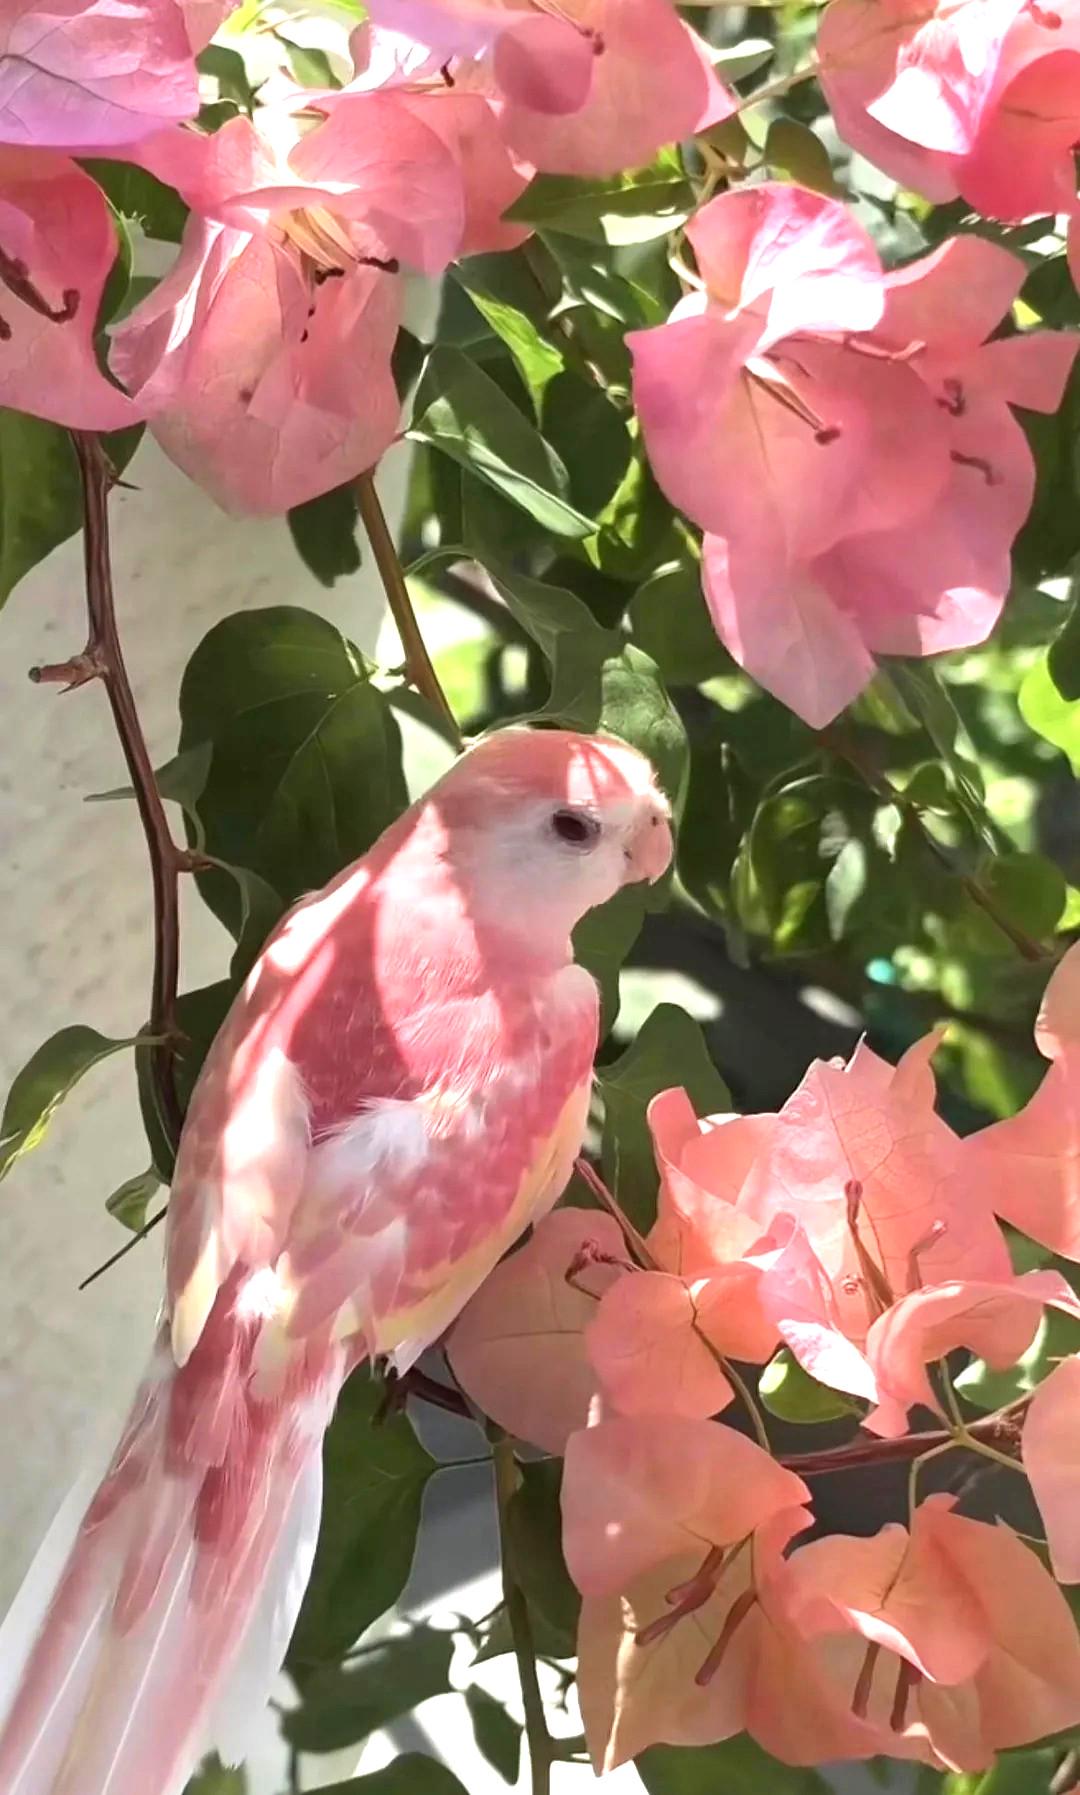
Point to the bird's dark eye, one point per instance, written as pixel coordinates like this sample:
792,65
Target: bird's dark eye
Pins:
575,827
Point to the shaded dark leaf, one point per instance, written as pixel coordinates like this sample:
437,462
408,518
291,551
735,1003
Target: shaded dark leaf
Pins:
669,1050
324,531
306,769
343,1703
374,1482
40,490
498,1738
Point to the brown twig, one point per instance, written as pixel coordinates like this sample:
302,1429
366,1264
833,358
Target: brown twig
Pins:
1006,1422
517,1611
103,659
418,663
122,1252
838,743
636,1242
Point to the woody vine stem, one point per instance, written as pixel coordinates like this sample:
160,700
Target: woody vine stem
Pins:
103,659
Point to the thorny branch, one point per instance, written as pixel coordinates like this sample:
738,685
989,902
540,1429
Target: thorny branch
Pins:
421,673
103,659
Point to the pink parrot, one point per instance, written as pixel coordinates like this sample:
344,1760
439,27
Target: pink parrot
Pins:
399,1089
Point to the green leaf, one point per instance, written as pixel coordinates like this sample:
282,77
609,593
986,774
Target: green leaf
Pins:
215,1779
311,67
779,877
671,623
228,69
602,941
131,1200
534,1521
140,198
1063,655
720,803
261,908
922,692
411,1774
669,1050
1015,1773
1048,713
343,1703
845,883
1057,1338
590,436
471,420
798,154
306,768
374,1482
40,490
791,1394
48,1076
737,1767
634,705
505,293
199,1015
498,1738
621,208
744,58
324,532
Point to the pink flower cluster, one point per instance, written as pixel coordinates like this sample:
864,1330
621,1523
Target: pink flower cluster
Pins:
263,359
856,1230
844,438
973,97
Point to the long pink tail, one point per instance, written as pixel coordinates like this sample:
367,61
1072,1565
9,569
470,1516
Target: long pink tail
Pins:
173,1612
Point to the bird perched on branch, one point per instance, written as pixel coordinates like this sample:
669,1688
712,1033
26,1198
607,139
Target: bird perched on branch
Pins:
399,1089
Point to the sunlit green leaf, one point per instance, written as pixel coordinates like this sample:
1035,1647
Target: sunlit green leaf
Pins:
471,420
48,1076
791,1394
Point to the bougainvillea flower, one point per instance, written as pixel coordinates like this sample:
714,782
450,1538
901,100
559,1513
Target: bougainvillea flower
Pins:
1050,1446
91,76
266,349
588,88
692,1650
1029,1164
655,1339
955,1642
638,1492
980,99
58,248
518,1348
998,1321
674,1531
779,405
853,1192
703,1166
862,1161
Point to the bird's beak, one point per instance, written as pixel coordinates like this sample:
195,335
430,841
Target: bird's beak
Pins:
649,849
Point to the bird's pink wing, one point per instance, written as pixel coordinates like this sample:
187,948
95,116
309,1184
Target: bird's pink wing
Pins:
408,1206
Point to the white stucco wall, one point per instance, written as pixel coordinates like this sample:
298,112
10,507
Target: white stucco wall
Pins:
76,946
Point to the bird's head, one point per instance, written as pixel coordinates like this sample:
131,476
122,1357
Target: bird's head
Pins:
546,824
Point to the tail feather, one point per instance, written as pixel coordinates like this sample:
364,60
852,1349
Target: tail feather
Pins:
172,1615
